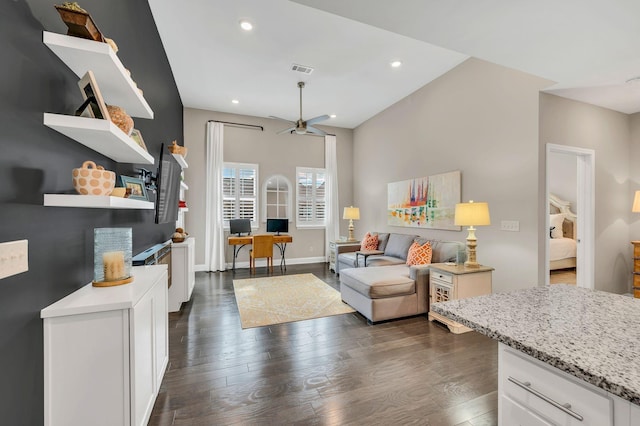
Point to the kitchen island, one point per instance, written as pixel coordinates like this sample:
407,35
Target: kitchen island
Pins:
567,355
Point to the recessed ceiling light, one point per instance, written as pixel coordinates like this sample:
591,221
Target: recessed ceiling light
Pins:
235,101
332,116
246,25
396,64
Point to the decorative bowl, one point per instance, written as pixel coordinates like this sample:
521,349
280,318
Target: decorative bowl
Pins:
93,180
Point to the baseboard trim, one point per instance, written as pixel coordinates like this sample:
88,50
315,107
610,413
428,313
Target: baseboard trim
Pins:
263,263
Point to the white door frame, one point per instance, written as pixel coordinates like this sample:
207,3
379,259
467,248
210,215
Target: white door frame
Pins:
585,210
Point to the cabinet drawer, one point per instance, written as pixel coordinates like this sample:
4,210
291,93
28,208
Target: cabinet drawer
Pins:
439,276
536,387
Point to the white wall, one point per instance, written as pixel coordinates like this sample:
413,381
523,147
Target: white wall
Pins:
563,173
274,154
481,119
607,132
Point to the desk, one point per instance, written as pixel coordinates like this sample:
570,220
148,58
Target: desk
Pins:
279,241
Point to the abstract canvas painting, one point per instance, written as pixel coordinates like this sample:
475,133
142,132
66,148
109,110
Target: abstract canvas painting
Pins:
426,202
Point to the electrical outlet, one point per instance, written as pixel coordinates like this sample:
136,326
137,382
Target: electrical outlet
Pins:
14,258
510,225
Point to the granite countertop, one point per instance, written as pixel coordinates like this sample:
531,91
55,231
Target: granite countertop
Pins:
592,335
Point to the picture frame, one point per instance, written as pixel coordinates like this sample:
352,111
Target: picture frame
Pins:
137,137
138,191
92,96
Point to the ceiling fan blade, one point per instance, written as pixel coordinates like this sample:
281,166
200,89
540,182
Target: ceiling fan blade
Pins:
283,119
317,119
315,131
289,130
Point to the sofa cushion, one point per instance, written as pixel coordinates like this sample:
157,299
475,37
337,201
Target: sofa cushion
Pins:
349,259
383,238
369,242
446,251
379,282
381,260
398,245
419,254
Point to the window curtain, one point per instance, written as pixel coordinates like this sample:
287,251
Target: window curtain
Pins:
214,230
332,230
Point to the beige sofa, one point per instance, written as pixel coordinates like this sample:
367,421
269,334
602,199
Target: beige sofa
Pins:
395,290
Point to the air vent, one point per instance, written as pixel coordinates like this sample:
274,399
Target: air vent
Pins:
301,68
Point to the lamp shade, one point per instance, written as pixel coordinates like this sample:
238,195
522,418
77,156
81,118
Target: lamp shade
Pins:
351,213
472,214
636,203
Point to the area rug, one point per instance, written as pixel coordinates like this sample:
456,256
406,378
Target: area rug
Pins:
288,298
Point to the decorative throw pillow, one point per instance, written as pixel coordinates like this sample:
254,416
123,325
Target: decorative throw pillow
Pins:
369,242
555,225
419,254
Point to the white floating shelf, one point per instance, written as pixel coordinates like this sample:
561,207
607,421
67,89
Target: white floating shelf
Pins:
116,86
95,202
184,185
101,136
180,159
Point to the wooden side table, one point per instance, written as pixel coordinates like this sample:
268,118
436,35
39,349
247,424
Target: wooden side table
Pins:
451,282
636,268
333,251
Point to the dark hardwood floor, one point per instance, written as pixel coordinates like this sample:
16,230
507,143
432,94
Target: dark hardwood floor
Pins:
329,371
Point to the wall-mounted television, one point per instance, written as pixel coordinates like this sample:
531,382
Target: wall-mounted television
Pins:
168,188
239,226
278,225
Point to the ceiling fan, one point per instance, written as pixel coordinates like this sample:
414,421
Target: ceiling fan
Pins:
301,126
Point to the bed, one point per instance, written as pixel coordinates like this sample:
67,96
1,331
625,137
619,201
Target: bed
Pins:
562,232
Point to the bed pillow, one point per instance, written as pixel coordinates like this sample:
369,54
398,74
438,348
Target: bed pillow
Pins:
419,254
369,242
555,225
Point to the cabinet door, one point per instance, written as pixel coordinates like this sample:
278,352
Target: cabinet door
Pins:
161,332
142,366
86,369
191,272
517,415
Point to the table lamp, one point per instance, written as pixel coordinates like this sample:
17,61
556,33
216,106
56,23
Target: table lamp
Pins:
472,214
636,203
351,213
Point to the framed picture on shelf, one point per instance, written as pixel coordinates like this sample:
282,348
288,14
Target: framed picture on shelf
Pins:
138,191
91,94
137,137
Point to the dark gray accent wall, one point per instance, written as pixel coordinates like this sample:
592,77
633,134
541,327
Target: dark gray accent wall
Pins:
35,160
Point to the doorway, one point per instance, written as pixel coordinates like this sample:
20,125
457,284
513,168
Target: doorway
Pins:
580,195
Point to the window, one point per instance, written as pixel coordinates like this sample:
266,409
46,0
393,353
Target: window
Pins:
240,192
276,198
310,197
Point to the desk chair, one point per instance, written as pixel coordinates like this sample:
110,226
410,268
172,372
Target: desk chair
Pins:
262,247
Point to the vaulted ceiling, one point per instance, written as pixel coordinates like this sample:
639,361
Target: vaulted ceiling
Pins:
591,49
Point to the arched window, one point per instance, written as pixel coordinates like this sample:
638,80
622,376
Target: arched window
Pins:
276,196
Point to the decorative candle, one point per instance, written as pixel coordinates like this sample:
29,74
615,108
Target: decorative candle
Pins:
113,265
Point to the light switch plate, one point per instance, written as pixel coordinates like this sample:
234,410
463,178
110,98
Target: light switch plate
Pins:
510,225
14,258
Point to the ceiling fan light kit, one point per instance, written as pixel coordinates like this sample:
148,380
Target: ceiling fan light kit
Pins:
302,127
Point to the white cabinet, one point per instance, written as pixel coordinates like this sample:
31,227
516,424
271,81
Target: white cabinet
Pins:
531,392
451,282
334,249
106,351
183,276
